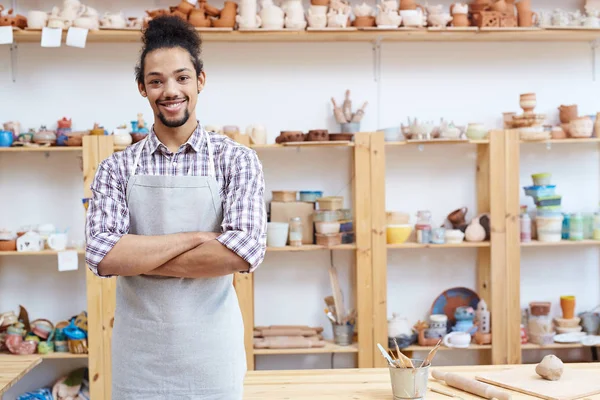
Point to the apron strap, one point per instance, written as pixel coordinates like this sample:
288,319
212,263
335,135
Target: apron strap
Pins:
136,160
211,161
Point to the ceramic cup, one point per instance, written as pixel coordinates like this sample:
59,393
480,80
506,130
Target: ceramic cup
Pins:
435,333
37,19
567,303
412,18
277,234
57,241
317,10
457,339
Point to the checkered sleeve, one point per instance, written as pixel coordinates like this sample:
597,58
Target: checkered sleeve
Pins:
107,217
244,212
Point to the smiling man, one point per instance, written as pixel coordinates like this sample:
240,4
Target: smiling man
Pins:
173,217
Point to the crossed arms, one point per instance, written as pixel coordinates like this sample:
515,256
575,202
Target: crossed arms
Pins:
112,250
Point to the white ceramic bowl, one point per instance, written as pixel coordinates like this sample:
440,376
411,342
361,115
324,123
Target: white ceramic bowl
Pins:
454,236
326,228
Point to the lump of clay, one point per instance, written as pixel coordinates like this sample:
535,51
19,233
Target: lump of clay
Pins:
551,368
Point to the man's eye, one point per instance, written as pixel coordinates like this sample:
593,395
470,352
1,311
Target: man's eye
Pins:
184,78
155,82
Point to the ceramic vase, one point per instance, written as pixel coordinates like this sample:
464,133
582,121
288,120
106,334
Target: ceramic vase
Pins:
475,232
567,304
248,17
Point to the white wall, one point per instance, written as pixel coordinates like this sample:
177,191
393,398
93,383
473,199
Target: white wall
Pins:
288,86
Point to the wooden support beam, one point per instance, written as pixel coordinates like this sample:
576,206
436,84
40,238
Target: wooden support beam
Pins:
244,287
378,246
362,232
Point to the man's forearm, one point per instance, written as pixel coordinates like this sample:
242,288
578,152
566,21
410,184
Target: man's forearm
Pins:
136,254
208,260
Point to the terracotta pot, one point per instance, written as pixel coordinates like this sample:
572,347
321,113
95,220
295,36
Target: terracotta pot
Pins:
457,217
540,308
558,133
409,5
184,7
597,125
211,11
460,20
64,123
567,113
527,18
229,10
179,14
499,6
567,303
224,22
524,5
198,19
319,2
364,21
317,135
156,13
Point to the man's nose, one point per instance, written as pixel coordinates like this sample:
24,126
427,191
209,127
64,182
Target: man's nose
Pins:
171,89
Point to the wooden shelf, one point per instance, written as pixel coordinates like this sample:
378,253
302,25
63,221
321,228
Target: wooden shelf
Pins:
562,243
411,245
553,346
332,143
63,356
330,347
311,247
429,348
20,149
564,141
35,253
350,35
439,141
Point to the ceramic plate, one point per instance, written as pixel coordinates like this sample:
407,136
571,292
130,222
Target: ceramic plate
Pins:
569,337
590,340
453,298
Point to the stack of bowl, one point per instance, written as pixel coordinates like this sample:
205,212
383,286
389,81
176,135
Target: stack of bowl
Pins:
549,218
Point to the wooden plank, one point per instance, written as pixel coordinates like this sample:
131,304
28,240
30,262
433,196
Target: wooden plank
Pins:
109,290
483,206
562,243
444,348
379,246
436,141
330,347
498,245
418,35
362,228
413,245
564,141
512,290
310,247
63,356
35,253
93,285
36,149
244,287
13,368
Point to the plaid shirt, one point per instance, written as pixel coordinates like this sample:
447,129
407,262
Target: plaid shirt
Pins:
238,172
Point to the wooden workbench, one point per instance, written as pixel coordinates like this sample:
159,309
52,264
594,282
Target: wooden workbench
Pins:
13,368
359,384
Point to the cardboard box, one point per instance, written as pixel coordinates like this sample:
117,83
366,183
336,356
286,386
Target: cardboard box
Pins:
282,212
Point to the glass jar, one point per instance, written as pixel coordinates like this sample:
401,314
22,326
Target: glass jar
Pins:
576,227
525,228
423,226
296,232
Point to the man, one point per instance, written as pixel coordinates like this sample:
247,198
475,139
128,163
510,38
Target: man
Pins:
173,217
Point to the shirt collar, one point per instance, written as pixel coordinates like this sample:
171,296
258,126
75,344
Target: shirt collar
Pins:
195,141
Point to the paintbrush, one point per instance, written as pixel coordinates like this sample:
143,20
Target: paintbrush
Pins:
330,315
330,302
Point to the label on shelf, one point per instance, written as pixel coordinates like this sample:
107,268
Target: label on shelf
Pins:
67,260
77,37
51,37
6,35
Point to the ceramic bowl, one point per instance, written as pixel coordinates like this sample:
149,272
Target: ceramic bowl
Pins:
581,127
327,228
541,179
398,234
568,330
567,323
392,134
454,236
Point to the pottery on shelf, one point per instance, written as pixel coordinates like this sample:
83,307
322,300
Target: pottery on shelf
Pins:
294,14
581,127
387,15
528,102
439,20
317,135
459,8
413,18
567,113
476,131
475,231
271,16
247,17
457,218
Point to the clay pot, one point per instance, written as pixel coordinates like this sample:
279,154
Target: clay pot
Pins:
460,20
211,11
475,231
179,14
319,2
540,308
567,303
527,18
290,136
499,6
567,113
64,123
317,135
558,133
198,19
457,217
524,5
223,22
528,102
409,5
364,21
185,7
156,13
482,338
229,10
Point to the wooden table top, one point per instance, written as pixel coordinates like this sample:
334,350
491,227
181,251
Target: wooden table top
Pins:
361,384
13,368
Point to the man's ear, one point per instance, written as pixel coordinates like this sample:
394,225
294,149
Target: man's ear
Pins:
201,81
142,89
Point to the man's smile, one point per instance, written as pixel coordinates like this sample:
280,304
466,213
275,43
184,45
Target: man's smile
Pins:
172,106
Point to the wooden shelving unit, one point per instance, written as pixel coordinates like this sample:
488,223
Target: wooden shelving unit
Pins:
329,348
19,149
35,253
64,356
463,245
350,35
311,247
444,348
562,243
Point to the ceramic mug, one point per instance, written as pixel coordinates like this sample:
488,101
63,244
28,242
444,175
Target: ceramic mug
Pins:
317,10
412,18
57,241
277,234
457,339
37,19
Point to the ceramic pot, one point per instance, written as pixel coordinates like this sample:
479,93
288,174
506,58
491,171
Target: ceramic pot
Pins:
454,236
459,8
364,21
558,133
528,102
6,138
475,232
44,137
499,6
398,326
507,119
567,304
476,131
527,19
439,20
581,127
460,20
567,113
37,19
318,135
409,5
590,321
413,18
457,217
198,19
277,234
229,10
317,21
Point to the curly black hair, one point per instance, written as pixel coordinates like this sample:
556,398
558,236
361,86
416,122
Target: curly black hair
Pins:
168,31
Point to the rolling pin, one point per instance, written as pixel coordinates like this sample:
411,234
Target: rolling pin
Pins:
471,385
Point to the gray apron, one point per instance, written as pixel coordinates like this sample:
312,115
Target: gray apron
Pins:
176,338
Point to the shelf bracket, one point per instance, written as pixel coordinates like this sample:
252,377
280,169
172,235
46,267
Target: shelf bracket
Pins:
13,61
594,46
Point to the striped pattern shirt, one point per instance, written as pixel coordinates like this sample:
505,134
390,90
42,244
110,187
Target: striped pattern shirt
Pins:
238,173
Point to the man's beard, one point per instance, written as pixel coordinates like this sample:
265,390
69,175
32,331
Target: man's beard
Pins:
176,123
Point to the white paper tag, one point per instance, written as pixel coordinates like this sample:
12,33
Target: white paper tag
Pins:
76,37
67,260
51,37
6,35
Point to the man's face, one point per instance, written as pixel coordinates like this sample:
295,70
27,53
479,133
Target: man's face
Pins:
171,85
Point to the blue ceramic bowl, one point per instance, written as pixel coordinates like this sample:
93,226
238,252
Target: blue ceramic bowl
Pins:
6,138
